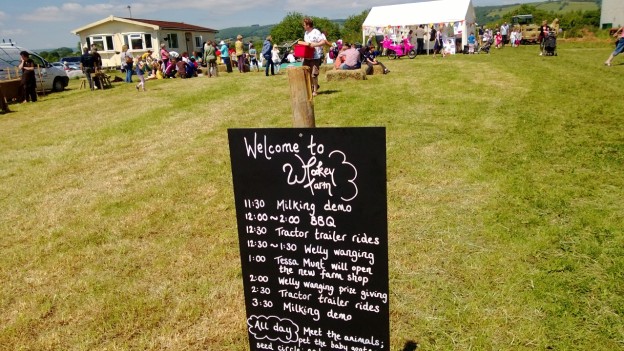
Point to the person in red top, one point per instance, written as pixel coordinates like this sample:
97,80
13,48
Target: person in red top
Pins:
619,48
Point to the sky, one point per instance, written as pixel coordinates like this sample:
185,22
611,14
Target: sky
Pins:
48,24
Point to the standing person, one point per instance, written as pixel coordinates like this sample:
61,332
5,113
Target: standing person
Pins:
504,29
472,41
164,55
253,57
97,58
543,33
420,40
240,54
225,56
619,48
275,57
87,63
140,74
480,35
211,59
266,54
438,46
315,39
498,39
126,62
28,84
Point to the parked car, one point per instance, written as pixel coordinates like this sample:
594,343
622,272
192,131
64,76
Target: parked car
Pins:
71,60
66,66
48,76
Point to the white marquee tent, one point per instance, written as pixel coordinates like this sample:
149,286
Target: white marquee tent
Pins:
459,14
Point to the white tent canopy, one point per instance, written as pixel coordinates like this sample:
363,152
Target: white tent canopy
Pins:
447,12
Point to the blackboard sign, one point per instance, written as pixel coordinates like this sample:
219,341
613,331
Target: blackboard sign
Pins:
312,225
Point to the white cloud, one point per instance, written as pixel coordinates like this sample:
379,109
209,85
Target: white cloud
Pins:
8,33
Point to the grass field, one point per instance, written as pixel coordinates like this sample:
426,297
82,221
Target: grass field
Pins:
505,205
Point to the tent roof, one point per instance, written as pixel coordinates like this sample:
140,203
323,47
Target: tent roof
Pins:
442,11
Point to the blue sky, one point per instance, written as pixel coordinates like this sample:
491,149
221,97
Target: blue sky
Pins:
48,24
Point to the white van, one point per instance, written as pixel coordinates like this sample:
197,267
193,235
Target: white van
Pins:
51,77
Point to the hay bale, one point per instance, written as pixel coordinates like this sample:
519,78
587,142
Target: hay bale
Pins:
325,67
377,70
341,74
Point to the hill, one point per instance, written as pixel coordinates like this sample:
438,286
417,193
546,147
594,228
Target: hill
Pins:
255,32
488,14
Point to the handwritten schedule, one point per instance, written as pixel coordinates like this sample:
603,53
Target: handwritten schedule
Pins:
312,225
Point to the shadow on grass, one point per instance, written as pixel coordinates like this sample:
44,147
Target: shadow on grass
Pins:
328,92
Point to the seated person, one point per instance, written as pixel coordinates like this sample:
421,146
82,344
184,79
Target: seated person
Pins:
370,61
191,69
291,57
171,71
351,58
147,57
339,59
181,68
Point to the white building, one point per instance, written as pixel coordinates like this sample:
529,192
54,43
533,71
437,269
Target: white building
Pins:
612,14
110,33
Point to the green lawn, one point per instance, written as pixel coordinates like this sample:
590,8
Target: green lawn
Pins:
505,205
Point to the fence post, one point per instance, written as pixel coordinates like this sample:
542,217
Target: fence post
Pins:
301,97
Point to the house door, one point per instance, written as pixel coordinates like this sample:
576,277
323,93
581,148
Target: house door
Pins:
189,42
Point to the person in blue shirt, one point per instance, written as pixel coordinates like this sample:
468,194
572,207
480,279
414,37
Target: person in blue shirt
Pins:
225,56
267,48
472,40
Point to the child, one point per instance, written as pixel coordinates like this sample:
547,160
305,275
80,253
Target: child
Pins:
140,74
498,38
253,60
472,40
276,59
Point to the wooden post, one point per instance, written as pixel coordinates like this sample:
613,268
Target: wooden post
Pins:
301,97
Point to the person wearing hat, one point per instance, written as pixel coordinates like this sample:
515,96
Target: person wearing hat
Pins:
240,54
225,56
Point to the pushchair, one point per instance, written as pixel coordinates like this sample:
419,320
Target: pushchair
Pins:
486,46
285,50
550,44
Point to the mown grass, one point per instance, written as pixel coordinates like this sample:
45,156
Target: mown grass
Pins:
505,186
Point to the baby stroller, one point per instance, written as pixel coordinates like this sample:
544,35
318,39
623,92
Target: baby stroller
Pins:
550,44
486,46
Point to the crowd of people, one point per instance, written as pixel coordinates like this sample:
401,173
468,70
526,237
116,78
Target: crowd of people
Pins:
245,57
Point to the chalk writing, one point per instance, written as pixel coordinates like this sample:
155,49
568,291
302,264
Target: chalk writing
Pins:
311,212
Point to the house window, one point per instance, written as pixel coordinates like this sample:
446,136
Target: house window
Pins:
198,42
135,42
101,42
172,40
